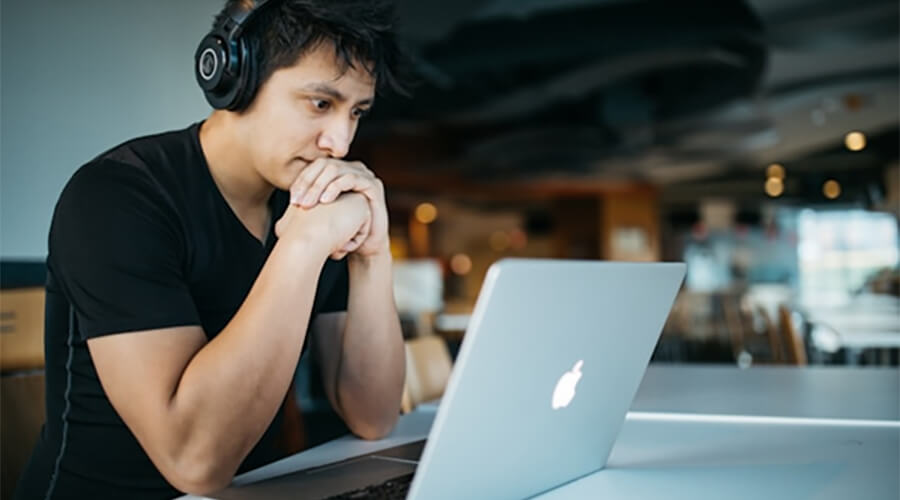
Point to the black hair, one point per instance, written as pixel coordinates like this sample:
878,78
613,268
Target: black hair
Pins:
359,30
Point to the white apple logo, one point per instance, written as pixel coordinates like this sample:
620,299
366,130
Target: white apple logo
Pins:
565,388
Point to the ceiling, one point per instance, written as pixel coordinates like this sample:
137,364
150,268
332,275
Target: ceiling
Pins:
673,93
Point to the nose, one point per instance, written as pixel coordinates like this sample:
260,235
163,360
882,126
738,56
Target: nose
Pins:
336,136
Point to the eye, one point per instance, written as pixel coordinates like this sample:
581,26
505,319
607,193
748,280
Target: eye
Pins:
320,104
360,112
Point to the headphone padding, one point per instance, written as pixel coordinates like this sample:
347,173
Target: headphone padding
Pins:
247,80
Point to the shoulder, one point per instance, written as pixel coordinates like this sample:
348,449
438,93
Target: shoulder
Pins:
156,150
105,184
148,169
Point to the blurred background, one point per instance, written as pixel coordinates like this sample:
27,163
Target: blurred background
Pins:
755,140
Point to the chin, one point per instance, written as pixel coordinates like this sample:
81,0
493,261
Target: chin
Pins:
284,184
290,174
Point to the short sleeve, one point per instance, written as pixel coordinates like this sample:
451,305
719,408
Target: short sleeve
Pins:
118,251
334,287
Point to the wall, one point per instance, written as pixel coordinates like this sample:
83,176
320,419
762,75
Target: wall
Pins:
76,78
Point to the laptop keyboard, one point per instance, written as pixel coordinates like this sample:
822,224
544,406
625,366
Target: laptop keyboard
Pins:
394,488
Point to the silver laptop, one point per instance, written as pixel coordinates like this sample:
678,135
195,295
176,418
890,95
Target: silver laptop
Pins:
548,368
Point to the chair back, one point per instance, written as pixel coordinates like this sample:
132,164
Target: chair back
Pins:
428,366
792,339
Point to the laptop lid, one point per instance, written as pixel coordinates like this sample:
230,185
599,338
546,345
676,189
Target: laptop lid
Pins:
548,368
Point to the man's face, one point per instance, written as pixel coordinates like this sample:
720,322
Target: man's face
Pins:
303,112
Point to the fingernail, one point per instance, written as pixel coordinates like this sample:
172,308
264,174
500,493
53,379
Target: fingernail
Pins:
309,199
295,198
326,197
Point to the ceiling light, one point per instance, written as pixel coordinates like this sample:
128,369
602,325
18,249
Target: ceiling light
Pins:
855,141
426,213
775,171
461,264
774,187
831,189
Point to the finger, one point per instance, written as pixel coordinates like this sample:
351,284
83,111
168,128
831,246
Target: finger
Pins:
363,169
326,177
344,183
357,241
360,238
305,179
366,230
354,244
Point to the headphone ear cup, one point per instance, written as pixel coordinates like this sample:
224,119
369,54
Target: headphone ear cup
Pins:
247,79
217,70
209,63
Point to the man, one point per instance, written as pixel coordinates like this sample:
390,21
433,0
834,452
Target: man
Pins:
177,311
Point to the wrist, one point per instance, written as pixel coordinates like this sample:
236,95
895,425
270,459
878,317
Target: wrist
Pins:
305,244
380,258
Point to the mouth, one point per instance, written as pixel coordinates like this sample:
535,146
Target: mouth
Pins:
304,162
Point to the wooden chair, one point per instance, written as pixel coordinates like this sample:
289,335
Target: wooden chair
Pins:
776,351
737,324
786,345
791,339
428,366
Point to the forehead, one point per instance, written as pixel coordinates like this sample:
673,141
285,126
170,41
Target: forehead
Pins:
322,65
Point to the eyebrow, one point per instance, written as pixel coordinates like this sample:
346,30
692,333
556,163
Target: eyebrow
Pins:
321,88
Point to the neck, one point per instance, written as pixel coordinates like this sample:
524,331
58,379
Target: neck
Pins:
231,164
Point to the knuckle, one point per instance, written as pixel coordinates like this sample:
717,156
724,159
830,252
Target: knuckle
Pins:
321,182
361,167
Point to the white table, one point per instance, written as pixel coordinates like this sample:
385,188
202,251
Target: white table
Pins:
719,432
856,328
685,460
783,391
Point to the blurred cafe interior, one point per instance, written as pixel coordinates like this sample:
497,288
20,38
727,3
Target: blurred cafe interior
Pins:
756,141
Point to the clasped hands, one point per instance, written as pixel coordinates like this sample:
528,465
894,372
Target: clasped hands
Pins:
323,183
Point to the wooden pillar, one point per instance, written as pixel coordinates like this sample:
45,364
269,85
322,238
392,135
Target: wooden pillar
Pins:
629,226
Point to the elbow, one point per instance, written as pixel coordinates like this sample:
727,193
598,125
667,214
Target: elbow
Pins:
373,431
198,483
199,476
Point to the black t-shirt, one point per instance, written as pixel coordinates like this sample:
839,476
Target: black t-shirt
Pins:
141,239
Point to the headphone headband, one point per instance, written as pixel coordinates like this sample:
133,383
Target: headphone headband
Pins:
240,17
224,63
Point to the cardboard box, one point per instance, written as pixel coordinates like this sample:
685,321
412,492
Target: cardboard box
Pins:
22,329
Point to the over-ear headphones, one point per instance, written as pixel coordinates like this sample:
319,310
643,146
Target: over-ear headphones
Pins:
224,63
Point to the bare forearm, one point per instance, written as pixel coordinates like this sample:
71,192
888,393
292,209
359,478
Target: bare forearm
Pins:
233,387
370,378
